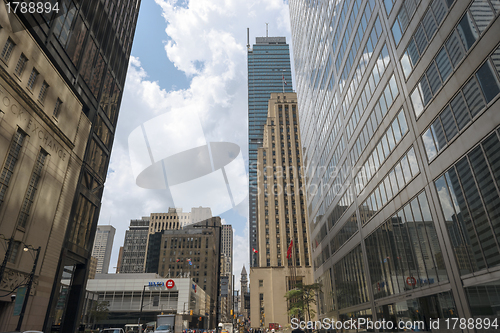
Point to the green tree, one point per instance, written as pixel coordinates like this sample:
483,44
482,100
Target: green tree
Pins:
99,311
301,298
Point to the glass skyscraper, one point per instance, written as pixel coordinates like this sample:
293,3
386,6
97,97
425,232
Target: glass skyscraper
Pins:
399,114
268,71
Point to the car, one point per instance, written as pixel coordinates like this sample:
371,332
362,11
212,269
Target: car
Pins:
163,329
113,330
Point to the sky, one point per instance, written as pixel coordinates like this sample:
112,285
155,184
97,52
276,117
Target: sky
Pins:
186,87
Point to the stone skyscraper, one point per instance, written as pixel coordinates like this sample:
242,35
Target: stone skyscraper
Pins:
399,117
226,273
282,228
62,77
268,71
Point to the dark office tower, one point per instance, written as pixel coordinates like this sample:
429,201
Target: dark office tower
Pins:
399,117
268,71
134,247
66,72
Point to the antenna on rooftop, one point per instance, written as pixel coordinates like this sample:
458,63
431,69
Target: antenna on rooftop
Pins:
248,38
267,26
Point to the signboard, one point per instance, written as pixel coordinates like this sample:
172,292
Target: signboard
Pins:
18,306
224,284
156,284
411,281
170,284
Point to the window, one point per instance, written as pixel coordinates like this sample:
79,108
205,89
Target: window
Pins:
43,92
21,64
467,191
261,283
7,50
32,188
14,252
32,79
10,162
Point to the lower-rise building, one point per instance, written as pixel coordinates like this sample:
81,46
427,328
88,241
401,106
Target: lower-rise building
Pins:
134,298
191,252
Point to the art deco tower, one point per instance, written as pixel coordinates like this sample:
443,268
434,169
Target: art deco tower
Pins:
268,71
282,228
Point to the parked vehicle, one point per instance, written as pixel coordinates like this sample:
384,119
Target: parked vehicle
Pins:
165,320
164,329
133,328
151,326
112,330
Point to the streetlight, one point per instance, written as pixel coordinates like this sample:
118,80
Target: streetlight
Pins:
140,311
30,282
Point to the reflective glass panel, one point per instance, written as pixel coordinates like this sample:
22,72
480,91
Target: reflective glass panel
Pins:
443,64
460,111
488,81
467,31
449,126
473,96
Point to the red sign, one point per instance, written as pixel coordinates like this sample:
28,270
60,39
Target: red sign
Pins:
410,280
170,284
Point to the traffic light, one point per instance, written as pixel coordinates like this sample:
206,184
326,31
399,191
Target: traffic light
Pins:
231,311
199,319
190,312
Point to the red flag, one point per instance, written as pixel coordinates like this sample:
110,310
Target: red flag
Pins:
283,78
289,251
177,260
255,251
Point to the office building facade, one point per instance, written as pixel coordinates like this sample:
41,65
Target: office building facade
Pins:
134,247
103,244
226,273
190,252
86,44
399,118
268,71
43,134
282,228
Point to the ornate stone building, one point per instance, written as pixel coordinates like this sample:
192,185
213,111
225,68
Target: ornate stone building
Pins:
62,76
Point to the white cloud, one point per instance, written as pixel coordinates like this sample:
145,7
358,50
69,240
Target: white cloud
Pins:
206,39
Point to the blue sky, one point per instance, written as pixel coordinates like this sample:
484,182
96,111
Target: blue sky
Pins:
151,50
188,58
